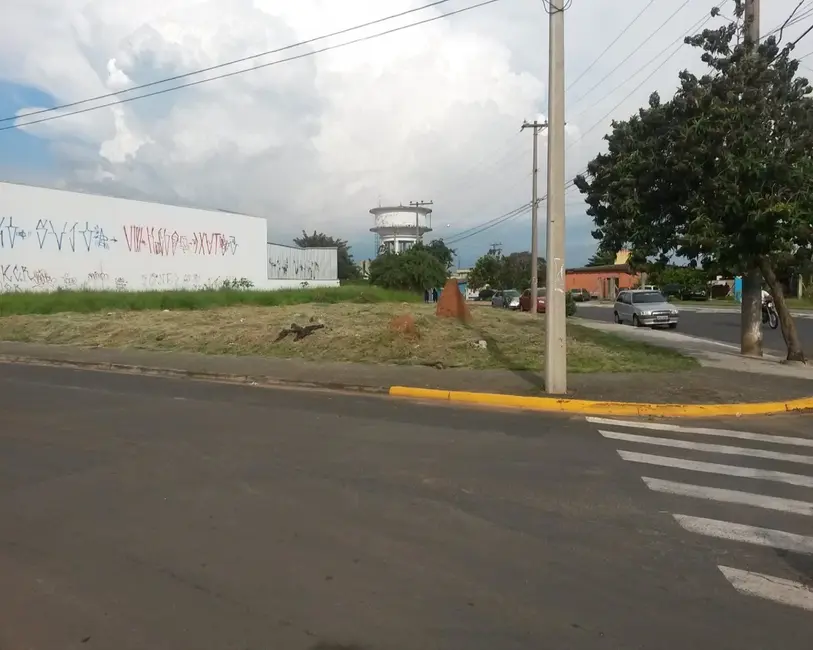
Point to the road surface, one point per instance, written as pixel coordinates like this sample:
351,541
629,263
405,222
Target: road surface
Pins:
154,513
717,326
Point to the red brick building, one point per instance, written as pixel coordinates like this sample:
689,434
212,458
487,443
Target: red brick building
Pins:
602,281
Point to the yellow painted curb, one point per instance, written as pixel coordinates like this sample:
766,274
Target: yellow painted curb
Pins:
590,407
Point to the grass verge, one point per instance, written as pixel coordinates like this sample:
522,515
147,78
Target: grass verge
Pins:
368,333
94,301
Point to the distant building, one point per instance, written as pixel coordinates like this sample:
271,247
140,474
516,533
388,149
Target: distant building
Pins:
602,282
398,228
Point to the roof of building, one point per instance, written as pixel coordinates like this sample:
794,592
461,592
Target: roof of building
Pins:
607,268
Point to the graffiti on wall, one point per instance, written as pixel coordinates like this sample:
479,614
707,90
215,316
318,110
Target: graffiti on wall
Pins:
50,234
77,236
162,241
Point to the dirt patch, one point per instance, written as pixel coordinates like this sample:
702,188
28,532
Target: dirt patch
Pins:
373,333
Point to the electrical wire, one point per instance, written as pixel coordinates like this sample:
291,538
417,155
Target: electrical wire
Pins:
550,8
791,20
696,26
220,66
124,100
502,219
614,41
636,50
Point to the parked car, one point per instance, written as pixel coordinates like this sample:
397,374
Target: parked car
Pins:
694,293
508,299
525,301
580,295
645,309
672,290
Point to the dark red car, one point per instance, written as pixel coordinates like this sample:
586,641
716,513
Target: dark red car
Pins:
525,301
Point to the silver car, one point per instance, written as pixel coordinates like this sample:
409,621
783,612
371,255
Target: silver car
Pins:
645,308
508,299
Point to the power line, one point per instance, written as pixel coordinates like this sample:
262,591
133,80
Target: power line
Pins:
328,48
470,232
615,40
647,78
219,66
792,19
636,50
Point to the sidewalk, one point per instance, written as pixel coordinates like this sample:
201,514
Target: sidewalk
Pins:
707,385
709,353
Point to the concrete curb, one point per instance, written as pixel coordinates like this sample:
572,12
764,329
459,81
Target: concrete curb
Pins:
589,407
178,373
542,404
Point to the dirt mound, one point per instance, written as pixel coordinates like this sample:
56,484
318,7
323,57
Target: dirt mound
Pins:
451,303
405,325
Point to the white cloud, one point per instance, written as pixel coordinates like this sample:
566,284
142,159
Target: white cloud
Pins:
431,112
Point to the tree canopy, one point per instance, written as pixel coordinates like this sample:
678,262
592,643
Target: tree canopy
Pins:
505,272
440,251
348,269
415,269
601,258
719,173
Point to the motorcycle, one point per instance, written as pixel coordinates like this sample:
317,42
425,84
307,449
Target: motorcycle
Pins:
769,314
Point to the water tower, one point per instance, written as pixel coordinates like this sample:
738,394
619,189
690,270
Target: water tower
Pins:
398,228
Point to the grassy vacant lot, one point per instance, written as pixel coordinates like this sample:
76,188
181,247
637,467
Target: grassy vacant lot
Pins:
94,301
398,333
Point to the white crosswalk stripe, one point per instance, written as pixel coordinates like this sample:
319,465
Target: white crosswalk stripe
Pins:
681,461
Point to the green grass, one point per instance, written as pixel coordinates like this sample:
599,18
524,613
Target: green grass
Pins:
23,303
636,355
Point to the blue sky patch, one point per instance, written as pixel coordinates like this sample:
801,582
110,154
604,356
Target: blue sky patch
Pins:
18,150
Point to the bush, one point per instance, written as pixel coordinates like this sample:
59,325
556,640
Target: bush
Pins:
570,304
413,270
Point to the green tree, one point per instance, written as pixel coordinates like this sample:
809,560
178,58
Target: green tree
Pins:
686,276
413,270
509,272
441,251
348,269
601,258
486,271
720,173
516,271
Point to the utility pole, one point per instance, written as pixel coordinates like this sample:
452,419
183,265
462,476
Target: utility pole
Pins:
556,305
537,127
416,205
751,308
496,249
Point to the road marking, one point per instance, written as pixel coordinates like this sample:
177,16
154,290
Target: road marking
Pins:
748,534
730,496
724,433
715,468
717,449
779,590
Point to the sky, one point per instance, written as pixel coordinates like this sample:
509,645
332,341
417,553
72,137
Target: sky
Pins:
432,112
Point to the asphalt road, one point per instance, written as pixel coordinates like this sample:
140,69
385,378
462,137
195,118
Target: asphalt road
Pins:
718,326
153,513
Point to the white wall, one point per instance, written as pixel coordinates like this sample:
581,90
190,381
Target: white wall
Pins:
52,239
290,267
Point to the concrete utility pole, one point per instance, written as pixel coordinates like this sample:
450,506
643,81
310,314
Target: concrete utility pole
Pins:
556,326
416,205
496,249
751,310
537,127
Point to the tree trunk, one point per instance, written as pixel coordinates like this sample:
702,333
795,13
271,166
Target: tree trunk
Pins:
751,315
789,333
